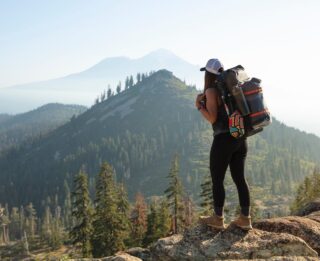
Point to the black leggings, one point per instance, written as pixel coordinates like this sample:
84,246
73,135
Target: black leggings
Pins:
226,150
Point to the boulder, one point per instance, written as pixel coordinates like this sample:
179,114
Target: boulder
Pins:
119,256
233,243
305,228
309,208
314,216
142,253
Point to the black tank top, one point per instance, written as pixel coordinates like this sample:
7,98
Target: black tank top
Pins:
222,123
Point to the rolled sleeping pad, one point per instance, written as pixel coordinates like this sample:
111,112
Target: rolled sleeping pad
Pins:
259,115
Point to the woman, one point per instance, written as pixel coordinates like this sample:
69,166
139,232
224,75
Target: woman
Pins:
225,151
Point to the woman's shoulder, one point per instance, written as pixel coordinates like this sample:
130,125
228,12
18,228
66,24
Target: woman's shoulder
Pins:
213,93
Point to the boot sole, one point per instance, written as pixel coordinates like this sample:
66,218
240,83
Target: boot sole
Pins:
245,227
216,227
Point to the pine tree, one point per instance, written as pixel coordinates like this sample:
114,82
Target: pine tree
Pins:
14,224
46,225
82,213
131,81
109,92
315,190
22,220
118,88
51,228
174,195
158,221
138,77
67,218
56,237
108,236
307,191
139,220
126,85
123,212
103,96
206,195
152,222
300,199
25,244
4,222
96,100
31,217
163,222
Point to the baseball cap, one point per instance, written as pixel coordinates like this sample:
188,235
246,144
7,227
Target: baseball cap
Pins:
213,66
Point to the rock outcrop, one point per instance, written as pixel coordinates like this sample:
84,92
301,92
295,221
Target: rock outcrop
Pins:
306,228
311,207
314,216
233,243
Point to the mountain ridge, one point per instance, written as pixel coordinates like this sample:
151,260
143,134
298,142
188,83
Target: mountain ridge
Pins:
14,129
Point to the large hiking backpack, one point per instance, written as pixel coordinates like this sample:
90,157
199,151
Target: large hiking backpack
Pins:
244,102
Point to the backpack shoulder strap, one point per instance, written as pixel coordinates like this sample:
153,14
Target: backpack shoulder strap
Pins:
223,92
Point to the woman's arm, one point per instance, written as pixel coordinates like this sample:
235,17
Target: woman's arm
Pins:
210,111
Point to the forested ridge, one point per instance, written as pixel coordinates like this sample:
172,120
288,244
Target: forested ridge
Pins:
15,129
137,131
4,117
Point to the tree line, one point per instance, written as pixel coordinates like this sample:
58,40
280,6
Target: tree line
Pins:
104,224
128,83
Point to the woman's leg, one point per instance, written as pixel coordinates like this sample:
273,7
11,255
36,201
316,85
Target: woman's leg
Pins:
237,166
220,155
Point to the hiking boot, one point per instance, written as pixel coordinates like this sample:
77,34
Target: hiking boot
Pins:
214,221
243,222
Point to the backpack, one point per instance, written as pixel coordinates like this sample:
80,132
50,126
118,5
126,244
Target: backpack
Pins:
244,103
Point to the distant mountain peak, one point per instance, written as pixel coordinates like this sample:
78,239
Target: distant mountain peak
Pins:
161,52
83,87
156,54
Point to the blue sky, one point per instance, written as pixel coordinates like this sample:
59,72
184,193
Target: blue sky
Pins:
277,41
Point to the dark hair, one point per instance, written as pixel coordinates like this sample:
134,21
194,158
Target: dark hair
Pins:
209,80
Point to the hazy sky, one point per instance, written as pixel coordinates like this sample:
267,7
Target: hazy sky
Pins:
277,41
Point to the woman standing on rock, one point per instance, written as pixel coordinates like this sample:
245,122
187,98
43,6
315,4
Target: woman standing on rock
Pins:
225,151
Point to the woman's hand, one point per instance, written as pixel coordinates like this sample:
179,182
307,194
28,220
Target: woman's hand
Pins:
199,98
